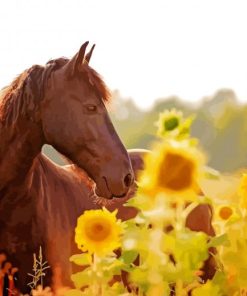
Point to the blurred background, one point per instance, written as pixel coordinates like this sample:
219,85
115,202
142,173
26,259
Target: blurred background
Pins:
153,54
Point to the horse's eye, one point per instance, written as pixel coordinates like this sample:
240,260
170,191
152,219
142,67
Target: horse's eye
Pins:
91,108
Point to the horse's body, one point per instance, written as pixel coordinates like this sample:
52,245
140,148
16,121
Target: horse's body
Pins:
45,215
61,104
40,216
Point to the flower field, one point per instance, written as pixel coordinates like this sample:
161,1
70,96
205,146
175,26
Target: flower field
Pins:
159,252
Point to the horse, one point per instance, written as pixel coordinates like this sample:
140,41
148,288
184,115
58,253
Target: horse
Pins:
62,104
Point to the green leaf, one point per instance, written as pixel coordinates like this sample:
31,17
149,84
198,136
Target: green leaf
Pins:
219,241
81,259
189,249
139,275
129,256
82,278
219,278
128,268
115,266
207,289
184,128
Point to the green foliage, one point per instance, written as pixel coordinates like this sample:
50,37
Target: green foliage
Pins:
81,259
129,257
208,289
189,250
219,240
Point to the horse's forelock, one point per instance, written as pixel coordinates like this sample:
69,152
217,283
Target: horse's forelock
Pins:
90,76
95,80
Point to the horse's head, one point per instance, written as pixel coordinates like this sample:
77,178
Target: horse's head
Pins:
75,122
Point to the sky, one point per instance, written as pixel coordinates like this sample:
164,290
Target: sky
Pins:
147,49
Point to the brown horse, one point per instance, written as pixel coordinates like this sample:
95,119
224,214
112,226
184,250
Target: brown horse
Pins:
62,104
40,201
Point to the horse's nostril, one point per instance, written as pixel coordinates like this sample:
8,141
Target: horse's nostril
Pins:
128,180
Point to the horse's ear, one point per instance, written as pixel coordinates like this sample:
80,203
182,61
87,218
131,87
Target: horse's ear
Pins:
89,54
76,62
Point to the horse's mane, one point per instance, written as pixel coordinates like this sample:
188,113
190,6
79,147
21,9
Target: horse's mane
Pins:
13,91
13,102
23,94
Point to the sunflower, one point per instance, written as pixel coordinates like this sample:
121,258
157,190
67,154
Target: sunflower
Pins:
98,231
169,122
225,212
174,169
242,190
172,124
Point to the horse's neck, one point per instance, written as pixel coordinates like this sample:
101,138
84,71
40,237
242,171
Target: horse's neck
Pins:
19,145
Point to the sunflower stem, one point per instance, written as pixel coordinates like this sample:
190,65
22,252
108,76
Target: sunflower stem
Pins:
179,215
95,282
97,285
179,288
188,210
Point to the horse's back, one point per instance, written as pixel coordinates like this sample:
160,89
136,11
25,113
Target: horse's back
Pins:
62,197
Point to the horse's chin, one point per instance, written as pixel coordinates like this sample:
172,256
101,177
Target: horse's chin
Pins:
102,192
102,201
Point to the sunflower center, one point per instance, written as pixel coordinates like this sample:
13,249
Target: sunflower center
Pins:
225,213
98,231
171,123
176,172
